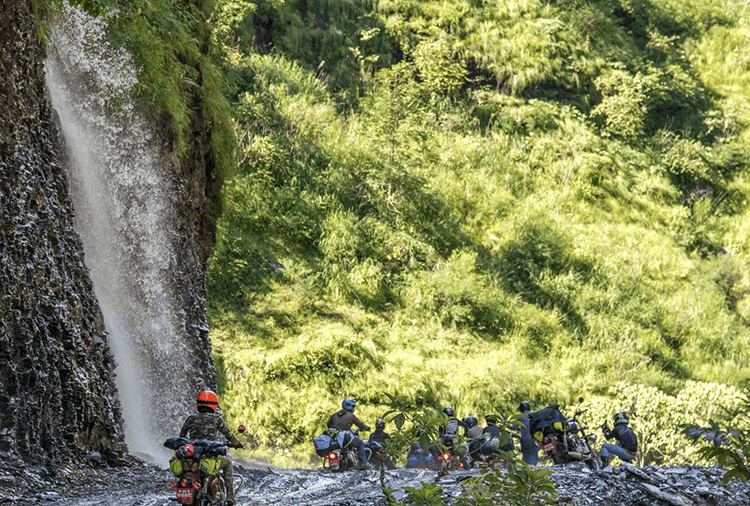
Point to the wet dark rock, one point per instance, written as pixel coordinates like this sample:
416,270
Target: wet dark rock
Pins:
57,394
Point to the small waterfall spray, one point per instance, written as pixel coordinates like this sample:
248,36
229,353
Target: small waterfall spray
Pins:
123,194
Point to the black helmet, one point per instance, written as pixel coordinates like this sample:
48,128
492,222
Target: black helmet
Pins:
470,421
524,406
621,417
448,411
490,419
380,424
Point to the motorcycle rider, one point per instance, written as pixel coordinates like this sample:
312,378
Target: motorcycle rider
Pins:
449,431
529,449
417,457
492,437
472,429
343,420
474,433
627,442
209,424
376,443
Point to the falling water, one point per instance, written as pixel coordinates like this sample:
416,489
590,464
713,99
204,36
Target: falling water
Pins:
120,184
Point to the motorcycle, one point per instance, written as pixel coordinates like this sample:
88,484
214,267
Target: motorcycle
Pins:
196,467
448,457
378,456
564,440
337,452
451,461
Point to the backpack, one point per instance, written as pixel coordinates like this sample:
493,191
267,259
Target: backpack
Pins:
547,417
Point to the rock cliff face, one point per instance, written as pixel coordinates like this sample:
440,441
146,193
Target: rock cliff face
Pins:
57,396
58,399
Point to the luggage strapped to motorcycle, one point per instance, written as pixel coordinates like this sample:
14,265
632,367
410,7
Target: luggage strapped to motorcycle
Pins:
547,417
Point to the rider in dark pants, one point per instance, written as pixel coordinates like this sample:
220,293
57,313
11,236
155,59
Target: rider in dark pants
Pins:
627,442
377,444
343,421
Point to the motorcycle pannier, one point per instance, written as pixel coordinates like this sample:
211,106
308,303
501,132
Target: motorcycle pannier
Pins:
175,464
322,444
210,466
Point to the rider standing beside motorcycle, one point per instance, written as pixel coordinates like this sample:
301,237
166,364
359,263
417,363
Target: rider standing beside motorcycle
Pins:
343,421
449,431
208,424
627,442
377,443
475,435
529,449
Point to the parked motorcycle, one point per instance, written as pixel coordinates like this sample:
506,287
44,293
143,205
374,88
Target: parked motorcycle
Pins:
449,460
564,440
378,455
196,467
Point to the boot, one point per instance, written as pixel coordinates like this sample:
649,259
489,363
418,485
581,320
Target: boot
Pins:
229,501
229,482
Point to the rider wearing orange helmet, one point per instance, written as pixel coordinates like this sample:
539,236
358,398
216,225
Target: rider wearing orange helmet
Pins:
209,424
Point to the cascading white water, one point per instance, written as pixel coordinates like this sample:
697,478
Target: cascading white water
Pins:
119,173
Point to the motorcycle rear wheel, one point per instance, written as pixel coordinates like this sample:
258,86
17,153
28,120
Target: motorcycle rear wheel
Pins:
216,499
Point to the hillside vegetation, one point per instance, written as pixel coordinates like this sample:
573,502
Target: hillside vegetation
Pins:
471,203
478,202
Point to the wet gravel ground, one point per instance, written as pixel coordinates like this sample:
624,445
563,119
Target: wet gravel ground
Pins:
145,485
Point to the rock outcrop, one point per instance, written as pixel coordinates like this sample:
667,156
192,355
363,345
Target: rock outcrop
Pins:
57,395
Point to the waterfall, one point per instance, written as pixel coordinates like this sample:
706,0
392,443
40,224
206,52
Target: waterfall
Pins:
123,192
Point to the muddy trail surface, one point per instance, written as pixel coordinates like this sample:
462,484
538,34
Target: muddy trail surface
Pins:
140,484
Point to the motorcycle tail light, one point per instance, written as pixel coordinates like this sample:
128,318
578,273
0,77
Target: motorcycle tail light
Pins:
461,465
446,456
173,484
183,483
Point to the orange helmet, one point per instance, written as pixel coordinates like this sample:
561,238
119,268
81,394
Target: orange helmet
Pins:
208,399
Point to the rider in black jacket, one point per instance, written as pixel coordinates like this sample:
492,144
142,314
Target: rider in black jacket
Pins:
376,443
627,441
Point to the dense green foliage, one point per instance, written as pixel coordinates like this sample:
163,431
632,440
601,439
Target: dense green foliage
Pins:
726,441
478,202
